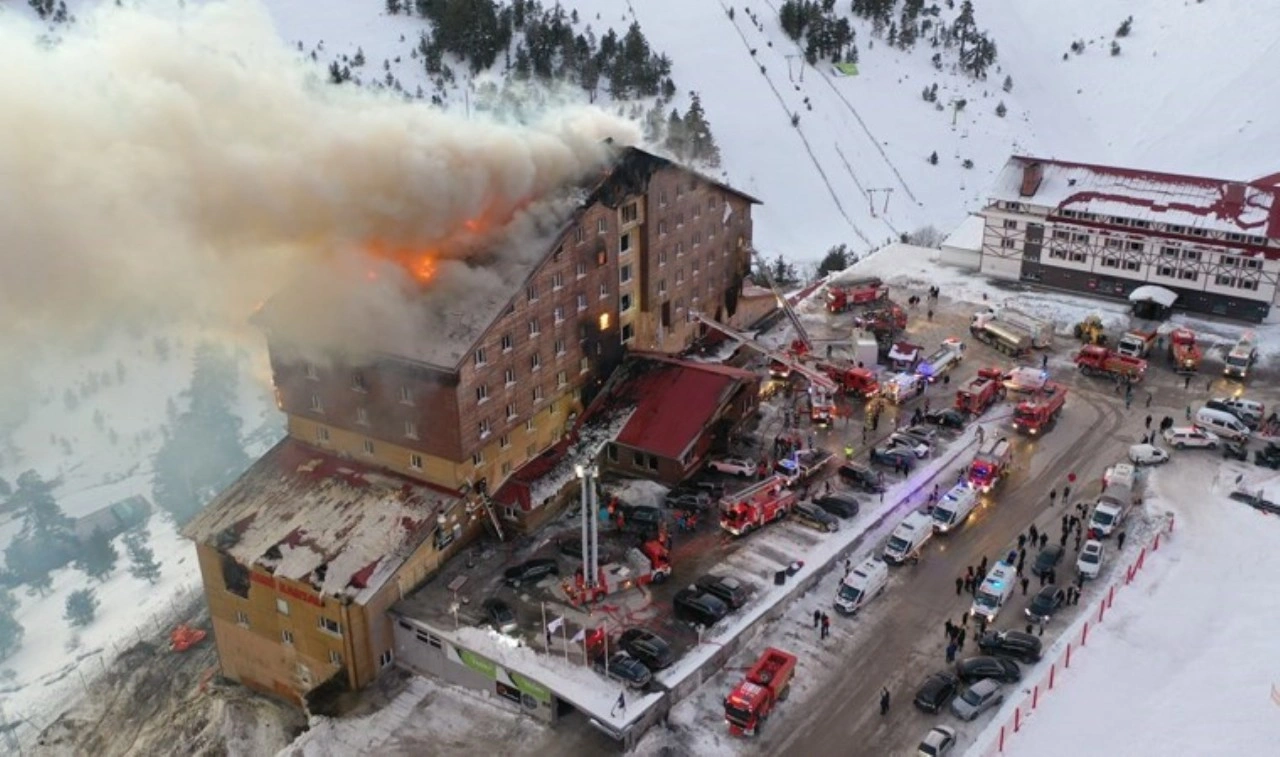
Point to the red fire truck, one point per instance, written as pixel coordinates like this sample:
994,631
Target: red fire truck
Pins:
990,464
1093,360
1040,412
845,295
982,392
755,506
860,382
650,564
1184,350
767,683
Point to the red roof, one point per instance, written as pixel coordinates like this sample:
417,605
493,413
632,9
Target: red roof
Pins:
675,402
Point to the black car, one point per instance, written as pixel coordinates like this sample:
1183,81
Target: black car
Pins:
624,667
571,546
1045,603
1235,450
895,456
1047,560
727,589
698,607
647,647
688,499
531,571
860,477
836,504
936,691
996,668
1015,644
815,517
640,519
947,418
1267,457
500,615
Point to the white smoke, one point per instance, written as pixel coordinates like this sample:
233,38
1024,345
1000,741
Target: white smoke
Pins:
183,163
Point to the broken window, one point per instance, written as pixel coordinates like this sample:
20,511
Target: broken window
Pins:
235,577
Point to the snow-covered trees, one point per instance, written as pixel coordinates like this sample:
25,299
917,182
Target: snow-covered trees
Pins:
1125,27
46,540
824,35
97,556
142,559
837,259
1001,110
10,628
82,607
689,136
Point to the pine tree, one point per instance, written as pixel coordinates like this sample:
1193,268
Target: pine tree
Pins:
1001,110
1008,83
142,559
1115,47
10,629
677,141
82,607
40,584
702,145
393,7
98,556
933,158
836,259
1125,27
42,518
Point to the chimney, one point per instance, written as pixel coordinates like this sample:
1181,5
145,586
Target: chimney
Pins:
1234,196
1032,175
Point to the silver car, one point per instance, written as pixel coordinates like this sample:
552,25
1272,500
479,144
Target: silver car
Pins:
977,699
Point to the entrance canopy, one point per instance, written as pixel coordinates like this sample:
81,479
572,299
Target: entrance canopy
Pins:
1152,293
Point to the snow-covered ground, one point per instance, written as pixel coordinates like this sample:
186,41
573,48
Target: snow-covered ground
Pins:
1185,661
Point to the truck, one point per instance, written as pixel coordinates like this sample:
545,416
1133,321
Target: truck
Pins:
940,361
843,296
756,506
1183,351
802,465
767,683
1040,330
860,382
648,564
901,387
1137,342
904,356
986,389
884,320
1093,360
1025,378
1241,357
822,405
990,464
1040,412
1005,337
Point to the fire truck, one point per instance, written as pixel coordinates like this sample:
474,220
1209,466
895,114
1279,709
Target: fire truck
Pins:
768,682
1040,412
1040,331
901,387
982,392
990,464
843,296
1184,351
904,356
803,465
860,382
1137,343
1093,360
884,321
650,564
756,506
943,359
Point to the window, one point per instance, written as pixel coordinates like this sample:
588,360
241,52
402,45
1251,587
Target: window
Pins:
662,257
1199,233
368,446
1141,224
604,291
242,619
511,410
529,428
581,302
1188,275
577,235
628,333
482,392
335,657
357,382
328,625
602,226
286,637
531,292
311,371
537,394
1247,284
484,427
535,361
1057,252
559,252
696,265
509,376
662,198
506,467
504,441
282,606
316,405
1006,243
1083,238
1165,270
557,281
1078,257
679,249
1190,255
584,364
679,220
322,433
1176,229
697,238
1010,224
415,461
637,459
626,303
630,213
697,211
1110,262
1136,247
711,202
679,276
662,228
559,347
562,378
385,658
535,328
1169,252
1062,234
362,416
479,359
1118,221
580,269
1252,263
662,286
624,274
411,429
1132,265
624,244
558,314
477,459
1113,244
406,395
507,343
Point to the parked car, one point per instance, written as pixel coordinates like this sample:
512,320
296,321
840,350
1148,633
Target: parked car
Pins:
735,466
1236,451
728,589
861,477
997,668
699,608
641,519
936,691
647,647
1268,456
893,456
947,418
571,546
627,669
1089,563
1250,412
838,504
902,441
1045,603
531,571
938,742
500,615
815,517
1147,454
977,699
1181,437
925,434
1015,644
1047,560
687,499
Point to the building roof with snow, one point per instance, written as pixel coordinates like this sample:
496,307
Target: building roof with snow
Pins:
968,235
1193,202
305,515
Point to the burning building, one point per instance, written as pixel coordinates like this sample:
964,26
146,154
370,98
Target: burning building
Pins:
486,367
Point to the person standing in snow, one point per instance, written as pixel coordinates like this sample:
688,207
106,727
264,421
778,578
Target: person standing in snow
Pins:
951,652
959,585
1025,581
884,701
1120,541
817,618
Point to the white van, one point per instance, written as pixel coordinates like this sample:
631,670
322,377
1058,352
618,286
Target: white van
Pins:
861,586
1222,423
993,592
1121,474
954,507
908,538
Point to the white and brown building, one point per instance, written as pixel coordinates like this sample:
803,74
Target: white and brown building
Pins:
1107,231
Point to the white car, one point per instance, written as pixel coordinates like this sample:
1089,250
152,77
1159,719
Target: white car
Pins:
736,466
937,742
918,447
1181,437
1090,561
1147,454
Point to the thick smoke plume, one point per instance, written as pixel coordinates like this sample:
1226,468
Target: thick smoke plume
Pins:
186,164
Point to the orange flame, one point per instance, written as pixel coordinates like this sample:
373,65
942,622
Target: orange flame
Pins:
420,264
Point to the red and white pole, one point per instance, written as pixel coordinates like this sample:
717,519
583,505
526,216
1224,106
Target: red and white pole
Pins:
1067,664
1035,697
1084,635
1111,595
1017,719
1053,669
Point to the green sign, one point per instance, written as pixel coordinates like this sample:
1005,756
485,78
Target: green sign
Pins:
478,664
848,69
532,688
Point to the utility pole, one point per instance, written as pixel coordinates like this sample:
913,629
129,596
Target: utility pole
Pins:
871,199
791,75
956,107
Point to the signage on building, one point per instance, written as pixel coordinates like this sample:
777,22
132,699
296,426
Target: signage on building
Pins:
306,596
